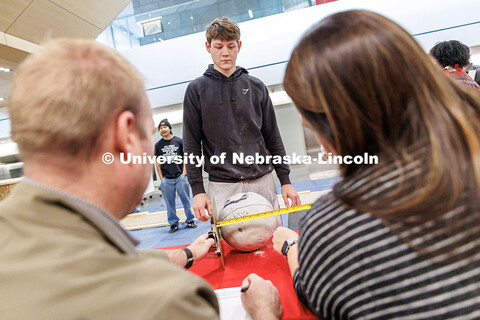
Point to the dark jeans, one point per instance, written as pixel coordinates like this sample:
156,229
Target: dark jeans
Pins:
180,184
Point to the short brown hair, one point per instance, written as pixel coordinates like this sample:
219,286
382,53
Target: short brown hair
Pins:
64,95
222,28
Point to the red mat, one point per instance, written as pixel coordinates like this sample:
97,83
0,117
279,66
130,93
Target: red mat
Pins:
265,262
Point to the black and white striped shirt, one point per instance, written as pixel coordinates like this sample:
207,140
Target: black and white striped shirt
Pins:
354,267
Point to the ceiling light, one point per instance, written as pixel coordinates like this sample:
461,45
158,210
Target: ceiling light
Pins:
250,13
5,69
2,99
151,26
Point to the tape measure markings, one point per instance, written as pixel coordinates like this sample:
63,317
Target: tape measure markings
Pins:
264,215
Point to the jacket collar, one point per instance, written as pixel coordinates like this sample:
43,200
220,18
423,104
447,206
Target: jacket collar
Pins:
103,221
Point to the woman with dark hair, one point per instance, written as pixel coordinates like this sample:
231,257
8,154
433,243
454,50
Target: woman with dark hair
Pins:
454,57
400,239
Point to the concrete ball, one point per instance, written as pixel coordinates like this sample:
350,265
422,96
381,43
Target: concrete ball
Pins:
249,235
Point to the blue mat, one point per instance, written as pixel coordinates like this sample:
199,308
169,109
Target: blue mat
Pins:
159,237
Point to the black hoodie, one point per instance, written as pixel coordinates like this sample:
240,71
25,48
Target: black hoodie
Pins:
230,114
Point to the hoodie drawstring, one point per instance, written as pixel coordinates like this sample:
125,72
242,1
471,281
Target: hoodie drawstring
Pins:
234,91
220,93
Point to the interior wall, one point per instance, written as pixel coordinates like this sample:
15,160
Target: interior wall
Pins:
5,128
290,126
267,42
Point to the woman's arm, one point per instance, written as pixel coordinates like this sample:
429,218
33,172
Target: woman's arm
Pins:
281,235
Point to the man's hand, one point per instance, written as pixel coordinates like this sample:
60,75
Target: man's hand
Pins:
200,203
289,193
261,300
200,247
280,236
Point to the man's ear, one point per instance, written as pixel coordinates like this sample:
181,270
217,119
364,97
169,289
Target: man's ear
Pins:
207,46
239,45
125,132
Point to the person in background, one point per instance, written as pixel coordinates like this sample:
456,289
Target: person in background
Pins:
227,111
172,174
400,239
75,106
454,57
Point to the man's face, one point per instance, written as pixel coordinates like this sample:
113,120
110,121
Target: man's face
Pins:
164,131
224,54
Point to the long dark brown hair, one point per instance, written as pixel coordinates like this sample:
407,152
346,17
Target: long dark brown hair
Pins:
377,91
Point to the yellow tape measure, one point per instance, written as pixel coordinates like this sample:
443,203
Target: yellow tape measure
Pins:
264,215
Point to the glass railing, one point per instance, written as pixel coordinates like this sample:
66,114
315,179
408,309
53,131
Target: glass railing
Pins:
143,22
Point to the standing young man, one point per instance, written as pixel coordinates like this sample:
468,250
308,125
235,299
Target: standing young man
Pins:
228,111
172,175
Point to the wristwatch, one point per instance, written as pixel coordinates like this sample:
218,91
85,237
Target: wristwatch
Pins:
287,244
189,254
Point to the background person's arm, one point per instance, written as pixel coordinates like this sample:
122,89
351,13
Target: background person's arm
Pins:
159,171
157,165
